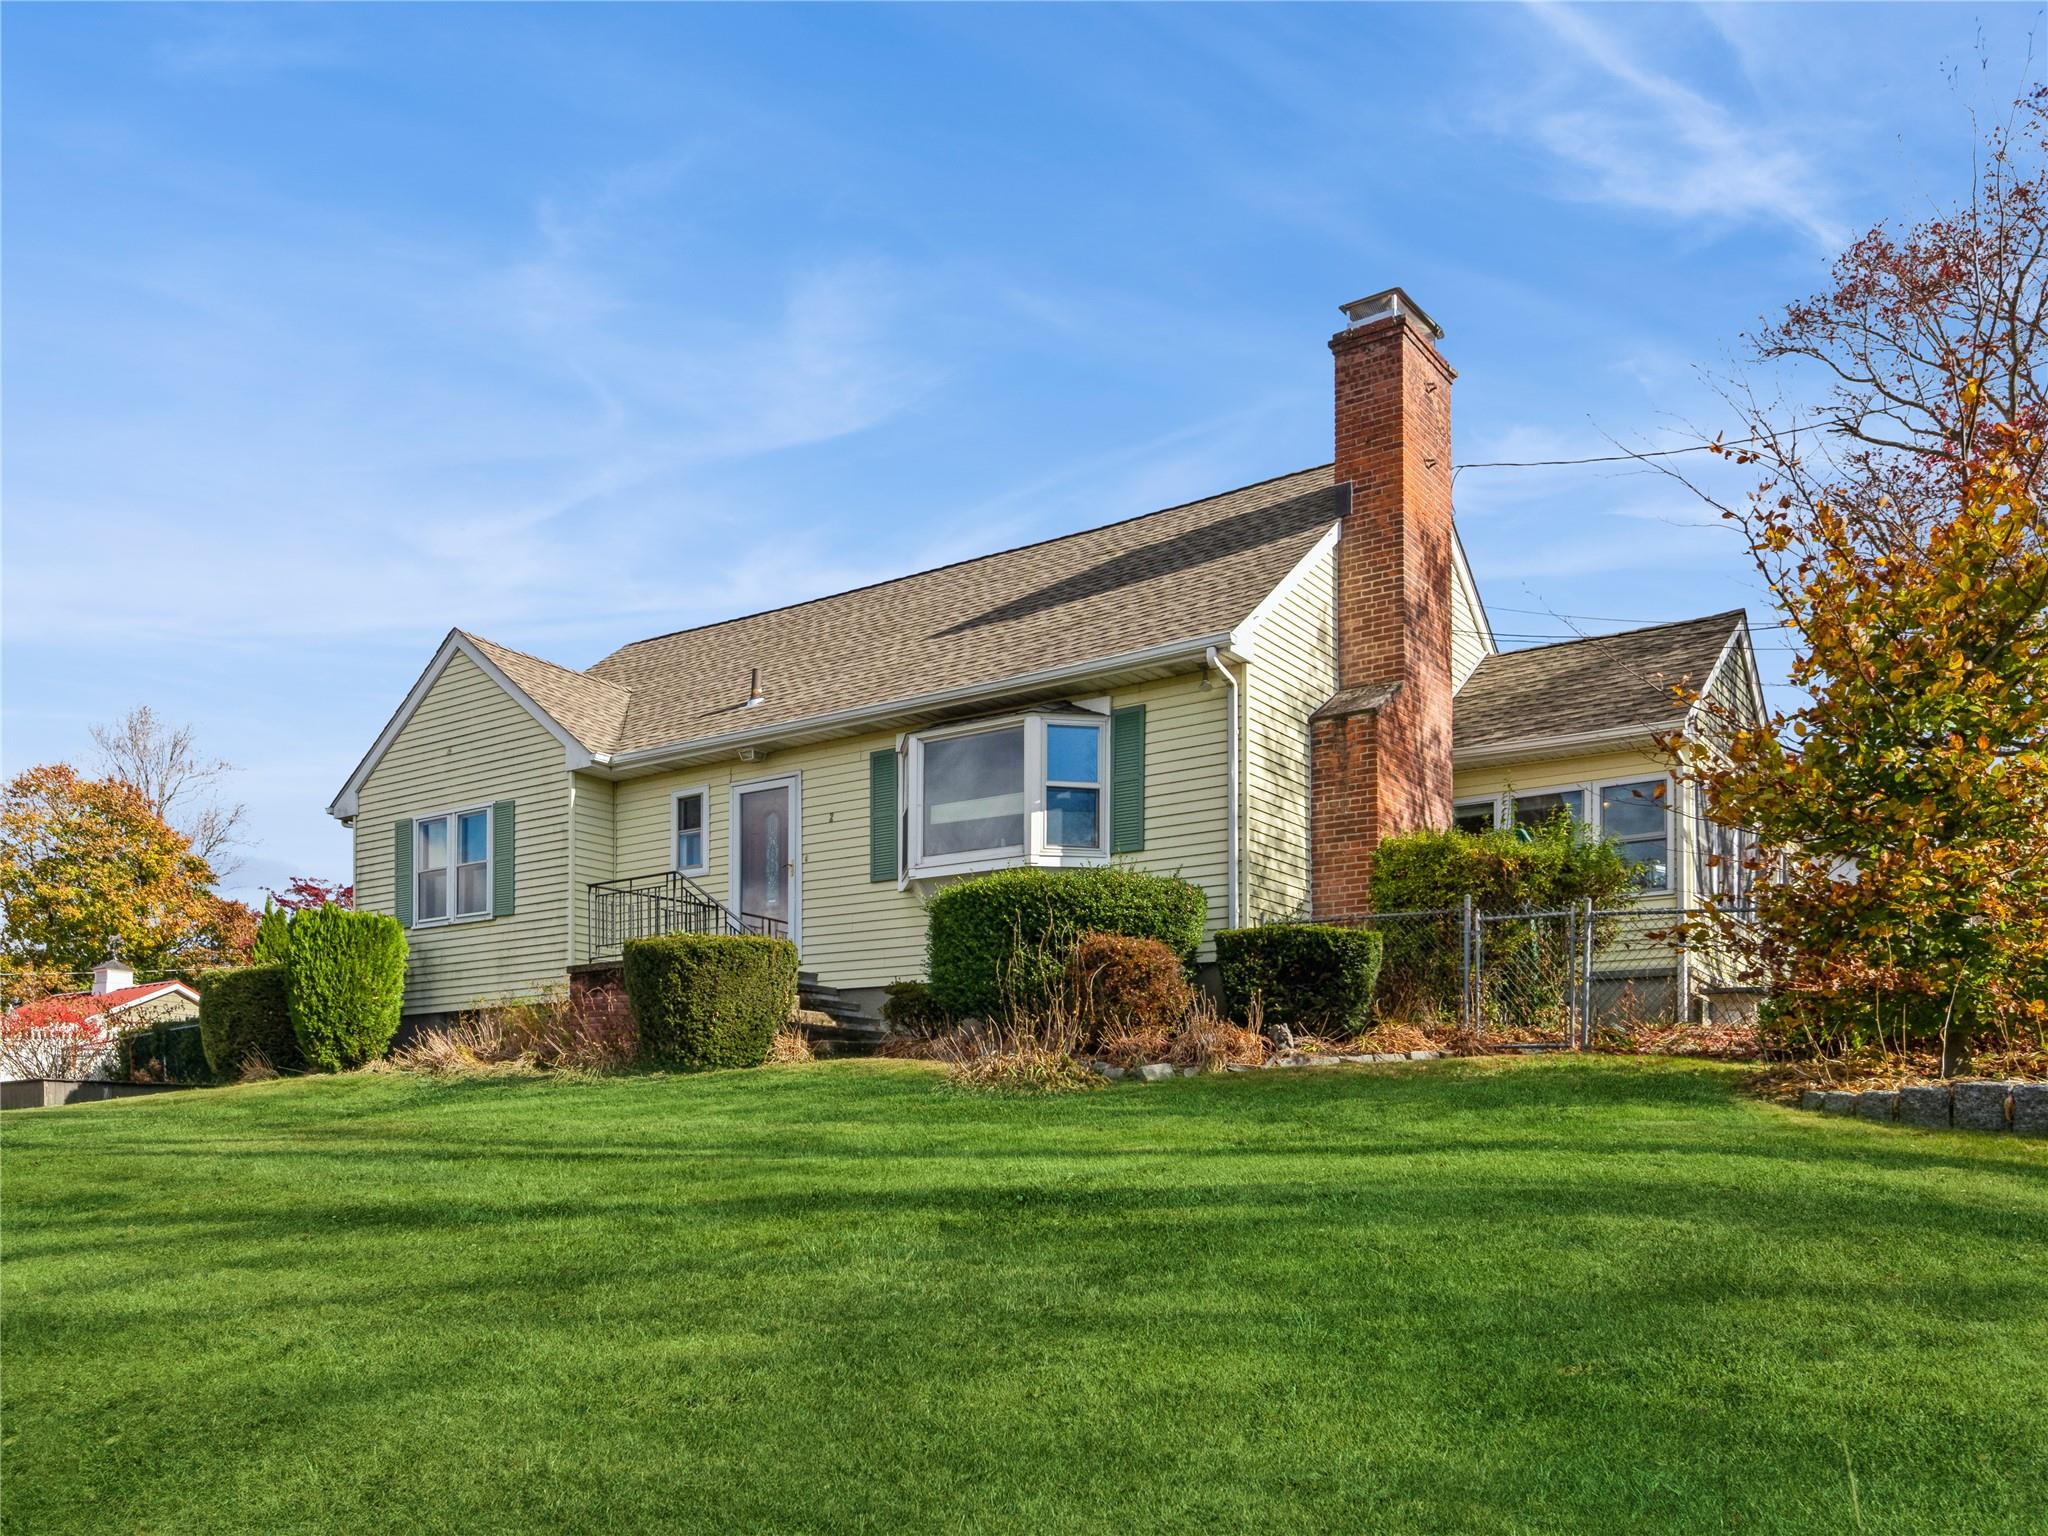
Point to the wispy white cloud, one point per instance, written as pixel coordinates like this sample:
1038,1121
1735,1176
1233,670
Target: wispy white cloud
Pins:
1644,138
233,40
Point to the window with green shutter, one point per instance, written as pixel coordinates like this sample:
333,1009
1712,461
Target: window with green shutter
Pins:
883,822
1127,779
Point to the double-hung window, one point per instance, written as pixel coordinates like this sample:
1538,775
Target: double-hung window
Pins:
452,867
1073,785
691,832
1022,791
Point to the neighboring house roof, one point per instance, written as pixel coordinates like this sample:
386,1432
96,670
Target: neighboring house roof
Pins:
1183,576
77,1007
1606,685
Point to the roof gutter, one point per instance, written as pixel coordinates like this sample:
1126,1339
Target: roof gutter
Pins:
967,693
1544,746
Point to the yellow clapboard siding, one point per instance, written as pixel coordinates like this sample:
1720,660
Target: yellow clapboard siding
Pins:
469,743
862,933
1292,672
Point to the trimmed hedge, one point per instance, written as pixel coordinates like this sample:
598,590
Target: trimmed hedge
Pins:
706,1001
347,984
1311,976
168,1052
1506,870
244,1011
1001,942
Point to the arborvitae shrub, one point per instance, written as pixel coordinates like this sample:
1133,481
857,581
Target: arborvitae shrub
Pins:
247,1011
1307,976
709,1000
347,985
1001,943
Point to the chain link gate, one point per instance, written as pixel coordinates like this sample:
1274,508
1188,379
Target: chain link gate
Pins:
1528,976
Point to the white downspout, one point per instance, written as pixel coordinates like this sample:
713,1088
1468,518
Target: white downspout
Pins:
1231,816
571,941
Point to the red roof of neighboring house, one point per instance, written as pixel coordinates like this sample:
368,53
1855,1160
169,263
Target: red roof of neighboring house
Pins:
77,1007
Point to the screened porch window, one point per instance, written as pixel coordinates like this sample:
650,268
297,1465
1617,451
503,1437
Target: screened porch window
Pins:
1633,816
1473,815
1537,810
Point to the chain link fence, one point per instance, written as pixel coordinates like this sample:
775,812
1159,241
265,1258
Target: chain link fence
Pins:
1628,977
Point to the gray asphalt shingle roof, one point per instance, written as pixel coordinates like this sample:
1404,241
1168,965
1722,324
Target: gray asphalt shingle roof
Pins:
1605,681
1147,583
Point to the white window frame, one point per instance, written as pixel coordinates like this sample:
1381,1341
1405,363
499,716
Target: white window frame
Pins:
1489,803
455,863
1670,842
675,810
1589,792
1035,849
1504,802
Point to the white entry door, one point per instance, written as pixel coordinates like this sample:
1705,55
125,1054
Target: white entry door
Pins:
767,855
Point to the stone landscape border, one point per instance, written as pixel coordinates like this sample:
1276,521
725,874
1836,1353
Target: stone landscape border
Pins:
1971,1106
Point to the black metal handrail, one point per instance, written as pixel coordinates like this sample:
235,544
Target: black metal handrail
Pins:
647,906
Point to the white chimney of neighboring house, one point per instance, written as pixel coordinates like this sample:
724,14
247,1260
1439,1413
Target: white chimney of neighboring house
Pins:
111,975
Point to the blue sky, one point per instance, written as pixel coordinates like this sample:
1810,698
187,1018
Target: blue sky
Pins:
329,328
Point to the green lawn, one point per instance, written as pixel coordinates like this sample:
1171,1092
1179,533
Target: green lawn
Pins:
1567,1295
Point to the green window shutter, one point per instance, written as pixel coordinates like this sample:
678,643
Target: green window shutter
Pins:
1127,779
401,874
882,821
504,858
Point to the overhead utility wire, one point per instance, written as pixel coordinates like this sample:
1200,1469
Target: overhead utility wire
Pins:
1610,458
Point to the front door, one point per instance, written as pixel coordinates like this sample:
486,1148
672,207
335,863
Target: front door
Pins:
766,862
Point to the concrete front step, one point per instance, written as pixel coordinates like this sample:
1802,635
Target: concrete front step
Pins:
838,1038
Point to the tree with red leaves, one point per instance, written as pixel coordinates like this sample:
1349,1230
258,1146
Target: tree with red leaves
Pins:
304,891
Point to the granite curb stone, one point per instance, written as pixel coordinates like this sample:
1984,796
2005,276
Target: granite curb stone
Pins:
1981,1106
1927,1105
2030,1109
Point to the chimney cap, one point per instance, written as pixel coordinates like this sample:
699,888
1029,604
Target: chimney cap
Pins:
1386,305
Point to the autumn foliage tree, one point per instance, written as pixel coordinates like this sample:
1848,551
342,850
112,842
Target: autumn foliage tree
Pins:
84,862
1907,551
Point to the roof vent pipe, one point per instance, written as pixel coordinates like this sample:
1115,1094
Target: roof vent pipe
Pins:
753,686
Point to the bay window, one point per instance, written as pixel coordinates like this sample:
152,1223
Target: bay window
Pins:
452,867
1021,791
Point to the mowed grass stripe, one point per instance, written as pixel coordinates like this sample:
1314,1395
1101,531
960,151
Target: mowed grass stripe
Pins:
1561,1295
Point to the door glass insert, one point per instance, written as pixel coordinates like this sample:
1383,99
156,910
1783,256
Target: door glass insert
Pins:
765,856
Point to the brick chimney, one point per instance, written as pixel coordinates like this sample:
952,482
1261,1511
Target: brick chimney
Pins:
1380,748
